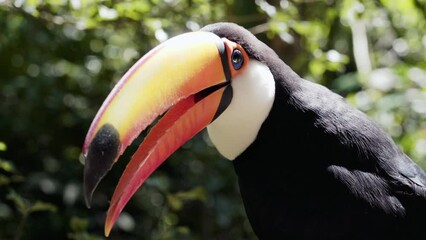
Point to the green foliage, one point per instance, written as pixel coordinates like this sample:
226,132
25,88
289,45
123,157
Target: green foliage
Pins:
176,200
26,208
59,60
79,228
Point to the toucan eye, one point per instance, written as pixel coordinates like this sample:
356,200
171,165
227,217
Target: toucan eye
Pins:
237,59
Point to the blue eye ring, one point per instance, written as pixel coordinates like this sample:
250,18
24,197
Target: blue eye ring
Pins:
237,59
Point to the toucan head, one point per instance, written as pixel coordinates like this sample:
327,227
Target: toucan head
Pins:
217,78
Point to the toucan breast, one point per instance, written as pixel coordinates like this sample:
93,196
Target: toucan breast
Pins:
253,95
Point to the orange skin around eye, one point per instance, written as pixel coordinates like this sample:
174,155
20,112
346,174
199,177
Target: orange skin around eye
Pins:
230,47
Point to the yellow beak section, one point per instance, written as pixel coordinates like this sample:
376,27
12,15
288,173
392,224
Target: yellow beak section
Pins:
176,70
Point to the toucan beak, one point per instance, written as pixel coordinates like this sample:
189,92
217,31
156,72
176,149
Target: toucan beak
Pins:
188,76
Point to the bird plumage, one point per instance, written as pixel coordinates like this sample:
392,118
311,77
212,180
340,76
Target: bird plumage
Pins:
320,169
309,165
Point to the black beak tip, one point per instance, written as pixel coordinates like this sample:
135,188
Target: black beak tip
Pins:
88,193
100,157
91,180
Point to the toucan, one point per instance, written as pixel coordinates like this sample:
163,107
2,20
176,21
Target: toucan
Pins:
309,165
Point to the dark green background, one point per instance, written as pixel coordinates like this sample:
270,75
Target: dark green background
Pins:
59,59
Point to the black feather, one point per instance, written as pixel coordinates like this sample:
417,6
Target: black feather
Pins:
320,169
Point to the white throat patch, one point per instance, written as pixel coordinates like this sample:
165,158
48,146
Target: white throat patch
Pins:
237,127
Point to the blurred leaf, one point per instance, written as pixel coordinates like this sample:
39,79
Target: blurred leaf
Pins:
174,202
4,180
18,201
79,224
6,166
79,227
27,208
197,193
3,146
42,207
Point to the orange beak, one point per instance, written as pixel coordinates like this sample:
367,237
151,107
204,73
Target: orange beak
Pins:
189,77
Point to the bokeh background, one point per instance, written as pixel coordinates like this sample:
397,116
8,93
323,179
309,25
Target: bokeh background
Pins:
60,58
